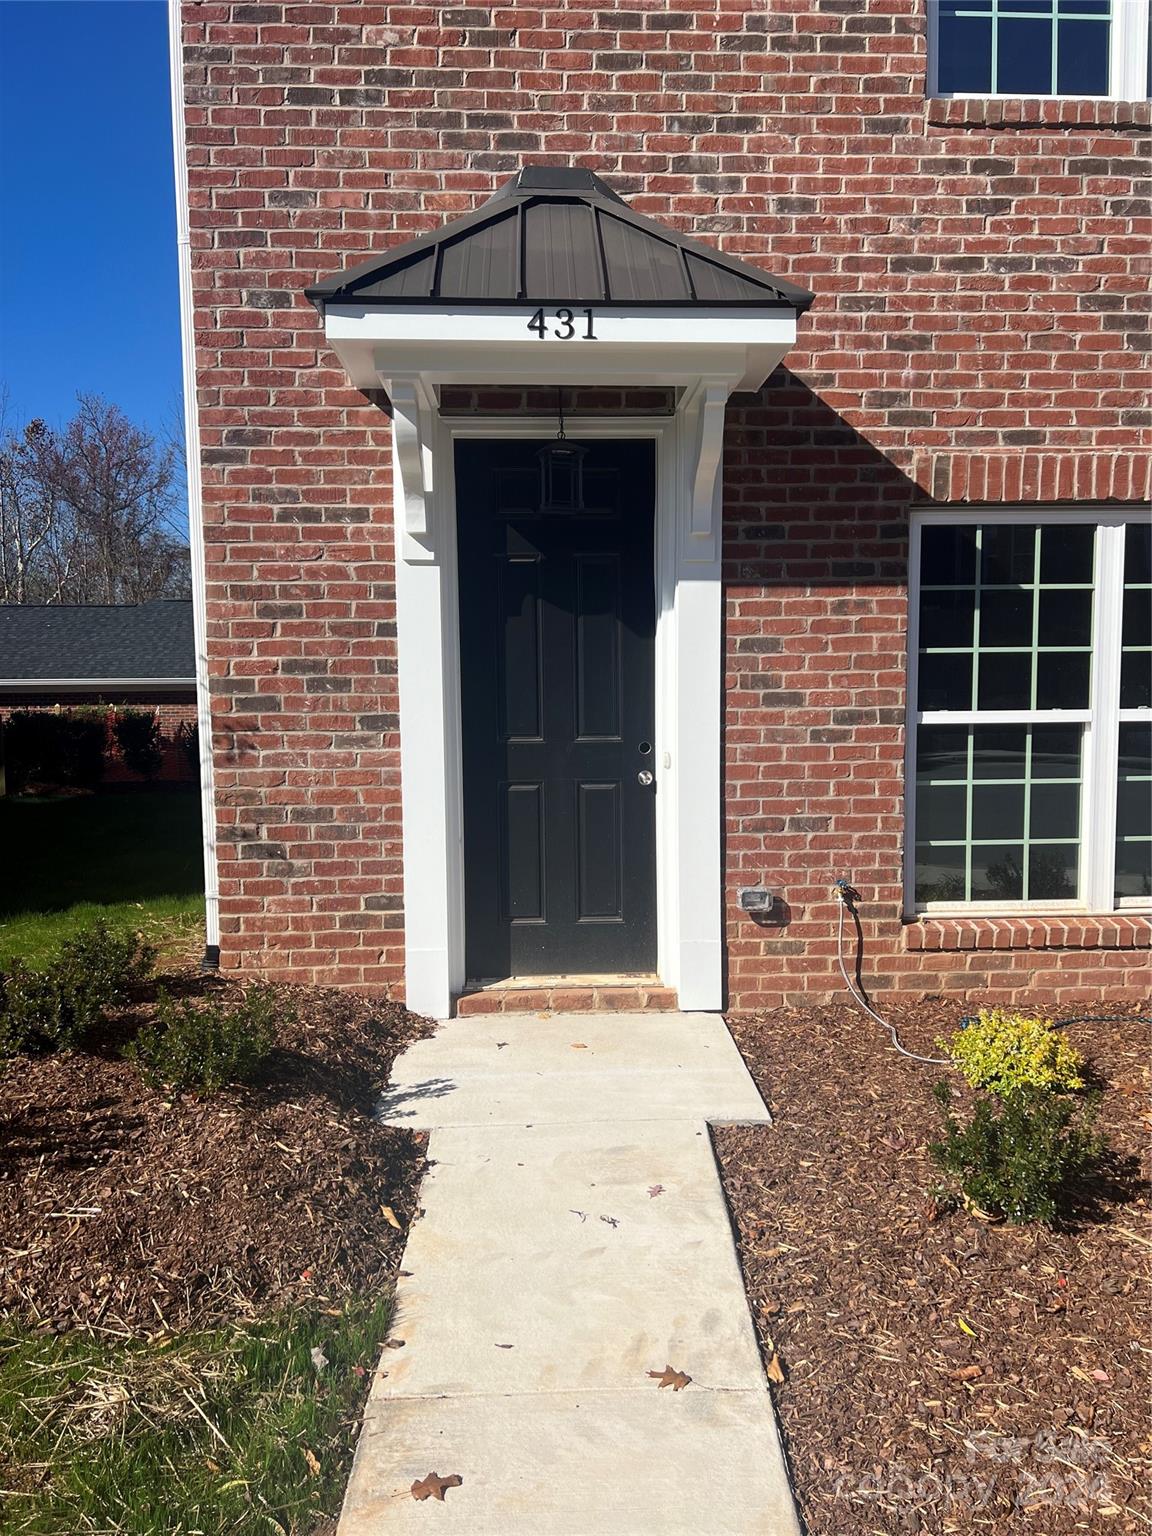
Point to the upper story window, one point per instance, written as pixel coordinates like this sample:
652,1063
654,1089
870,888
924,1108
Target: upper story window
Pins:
1030,730
1039,48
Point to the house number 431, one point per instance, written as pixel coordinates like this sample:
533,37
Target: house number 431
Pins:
566,324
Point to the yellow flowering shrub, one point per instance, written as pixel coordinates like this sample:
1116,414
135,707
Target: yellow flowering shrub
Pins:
1002,1052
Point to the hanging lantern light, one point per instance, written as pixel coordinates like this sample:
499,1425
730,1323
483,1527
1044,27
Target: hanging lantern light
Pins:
561,470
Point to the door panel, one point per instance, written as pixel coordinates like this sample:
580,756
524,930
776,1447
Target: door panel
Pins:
557,626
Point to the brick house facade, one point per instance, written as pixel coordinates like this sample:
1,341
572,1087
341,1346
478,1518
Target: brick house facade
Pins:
978,343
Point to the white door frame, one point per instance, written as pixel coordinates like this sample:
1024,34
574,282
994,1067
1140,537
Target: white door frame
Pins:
689,677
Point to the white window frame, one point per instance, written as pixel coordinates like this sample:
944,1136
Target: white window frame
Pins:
1101,720
1128,59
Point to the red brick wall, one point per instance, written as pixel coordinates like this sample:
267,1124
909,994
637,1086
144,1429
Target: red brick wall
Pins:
980,301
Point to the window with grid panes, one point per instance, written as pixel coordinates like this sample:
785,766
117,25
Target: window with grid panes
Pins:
1032,726
1039,48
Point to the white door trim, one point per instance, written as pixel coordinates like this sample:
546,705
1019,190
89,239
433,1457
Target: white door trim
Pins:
689,678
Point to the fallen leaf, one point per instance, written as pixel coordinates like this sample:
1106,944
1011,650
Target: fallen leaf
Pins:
966,1373
390,1217
358,1370
668,1377
654,1190
1099,1375
610,1220
312,1460
774,1370
433,1486
505,1346
966,1328
579,1047
319,1358
394,1344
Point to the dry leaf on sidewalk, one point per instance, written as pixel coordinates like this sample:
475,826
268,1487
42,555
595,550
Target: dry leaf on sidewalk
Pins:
433,1486
668,1377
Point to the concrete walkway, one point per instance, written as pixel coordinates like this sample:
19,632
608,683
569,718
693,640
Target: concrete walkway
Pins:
575,1237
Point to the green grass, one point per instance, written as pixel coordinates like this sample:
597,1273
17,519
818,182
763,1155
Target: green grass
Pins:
225,1433
135,859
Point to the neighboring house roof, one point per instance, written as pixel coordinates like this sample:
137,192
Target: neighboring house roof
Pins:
557,234
90,644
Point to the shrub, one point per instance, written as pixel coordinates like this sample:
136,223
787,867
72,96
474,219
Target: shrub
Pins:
1003,1052
60,1006
203,1046
138,738
50,747
1018,1156
187,739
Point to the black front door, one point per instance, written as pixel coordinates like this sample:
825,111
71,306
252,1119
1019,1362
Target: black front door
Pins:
557,626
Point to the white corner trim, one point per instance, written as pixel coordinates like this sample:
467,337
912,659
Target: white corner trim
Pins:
195,490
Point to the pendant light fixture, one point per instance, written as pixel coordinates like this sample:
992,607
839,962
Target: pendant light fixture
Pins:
561,470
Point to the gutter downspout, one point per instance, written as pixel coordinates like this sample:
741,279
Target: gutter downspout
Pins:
195,494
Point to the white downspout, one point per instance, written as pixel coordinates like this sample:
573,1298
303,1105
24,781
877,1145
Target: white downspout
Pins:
195,507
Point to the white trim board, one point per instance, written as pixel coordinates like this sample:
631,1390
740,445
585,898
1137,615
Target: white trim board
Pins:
195,496
687,737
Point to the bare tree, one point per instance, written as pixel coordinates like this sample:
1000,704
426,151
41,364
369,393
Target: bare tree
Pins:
90,514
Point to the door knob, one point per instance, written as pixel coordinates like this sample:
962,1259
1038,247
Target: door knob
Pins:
645,776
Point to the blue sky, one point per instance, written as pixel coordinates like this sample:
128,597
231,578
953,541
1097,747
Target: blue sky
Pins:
88,283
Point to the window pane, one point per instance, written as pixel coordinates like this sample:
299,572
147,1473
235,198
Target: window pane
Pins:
941,812
1138,554
1055,810
1053,874
998,873
1137,616
1005,618
946,617
945,682
1136,680
1082,58
997,811
1008,553
1005,681
1065,618
942,752
1063,679
998,751
947,556
1024,56
1134,812
965,50
1067,552
940,874
1056,751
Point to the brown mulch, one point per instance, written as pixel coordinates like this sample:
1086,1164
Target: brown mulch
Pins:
942,1374
127,1209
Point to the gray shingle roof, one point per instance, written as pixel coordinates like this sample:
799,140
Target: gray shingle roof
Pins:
133,640
557,234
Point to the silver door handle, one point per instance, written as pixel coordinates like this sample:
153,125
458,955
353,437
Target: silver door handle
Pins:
645,776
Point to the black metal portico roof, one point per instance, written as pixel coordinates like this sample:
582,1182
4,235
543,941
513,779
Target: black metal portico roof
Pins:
557,235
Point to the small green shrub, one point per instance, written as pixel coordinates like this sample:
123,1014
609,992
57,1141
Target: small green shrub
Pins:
138,738
60,1006
1018,1156
1003,1052
203,1046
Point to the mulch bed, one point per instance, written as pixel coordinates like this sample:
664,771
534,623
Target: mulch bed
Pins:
942,1374
126,1209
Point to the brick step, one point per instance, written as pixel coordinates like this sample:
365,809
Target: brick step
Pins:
607,995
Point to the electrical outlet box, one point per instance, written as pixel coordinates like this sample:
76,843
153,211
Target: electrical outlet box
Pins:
757,899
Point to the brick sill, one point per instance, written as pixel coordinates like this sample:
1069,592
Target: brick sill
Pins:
1031,112
1024,931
